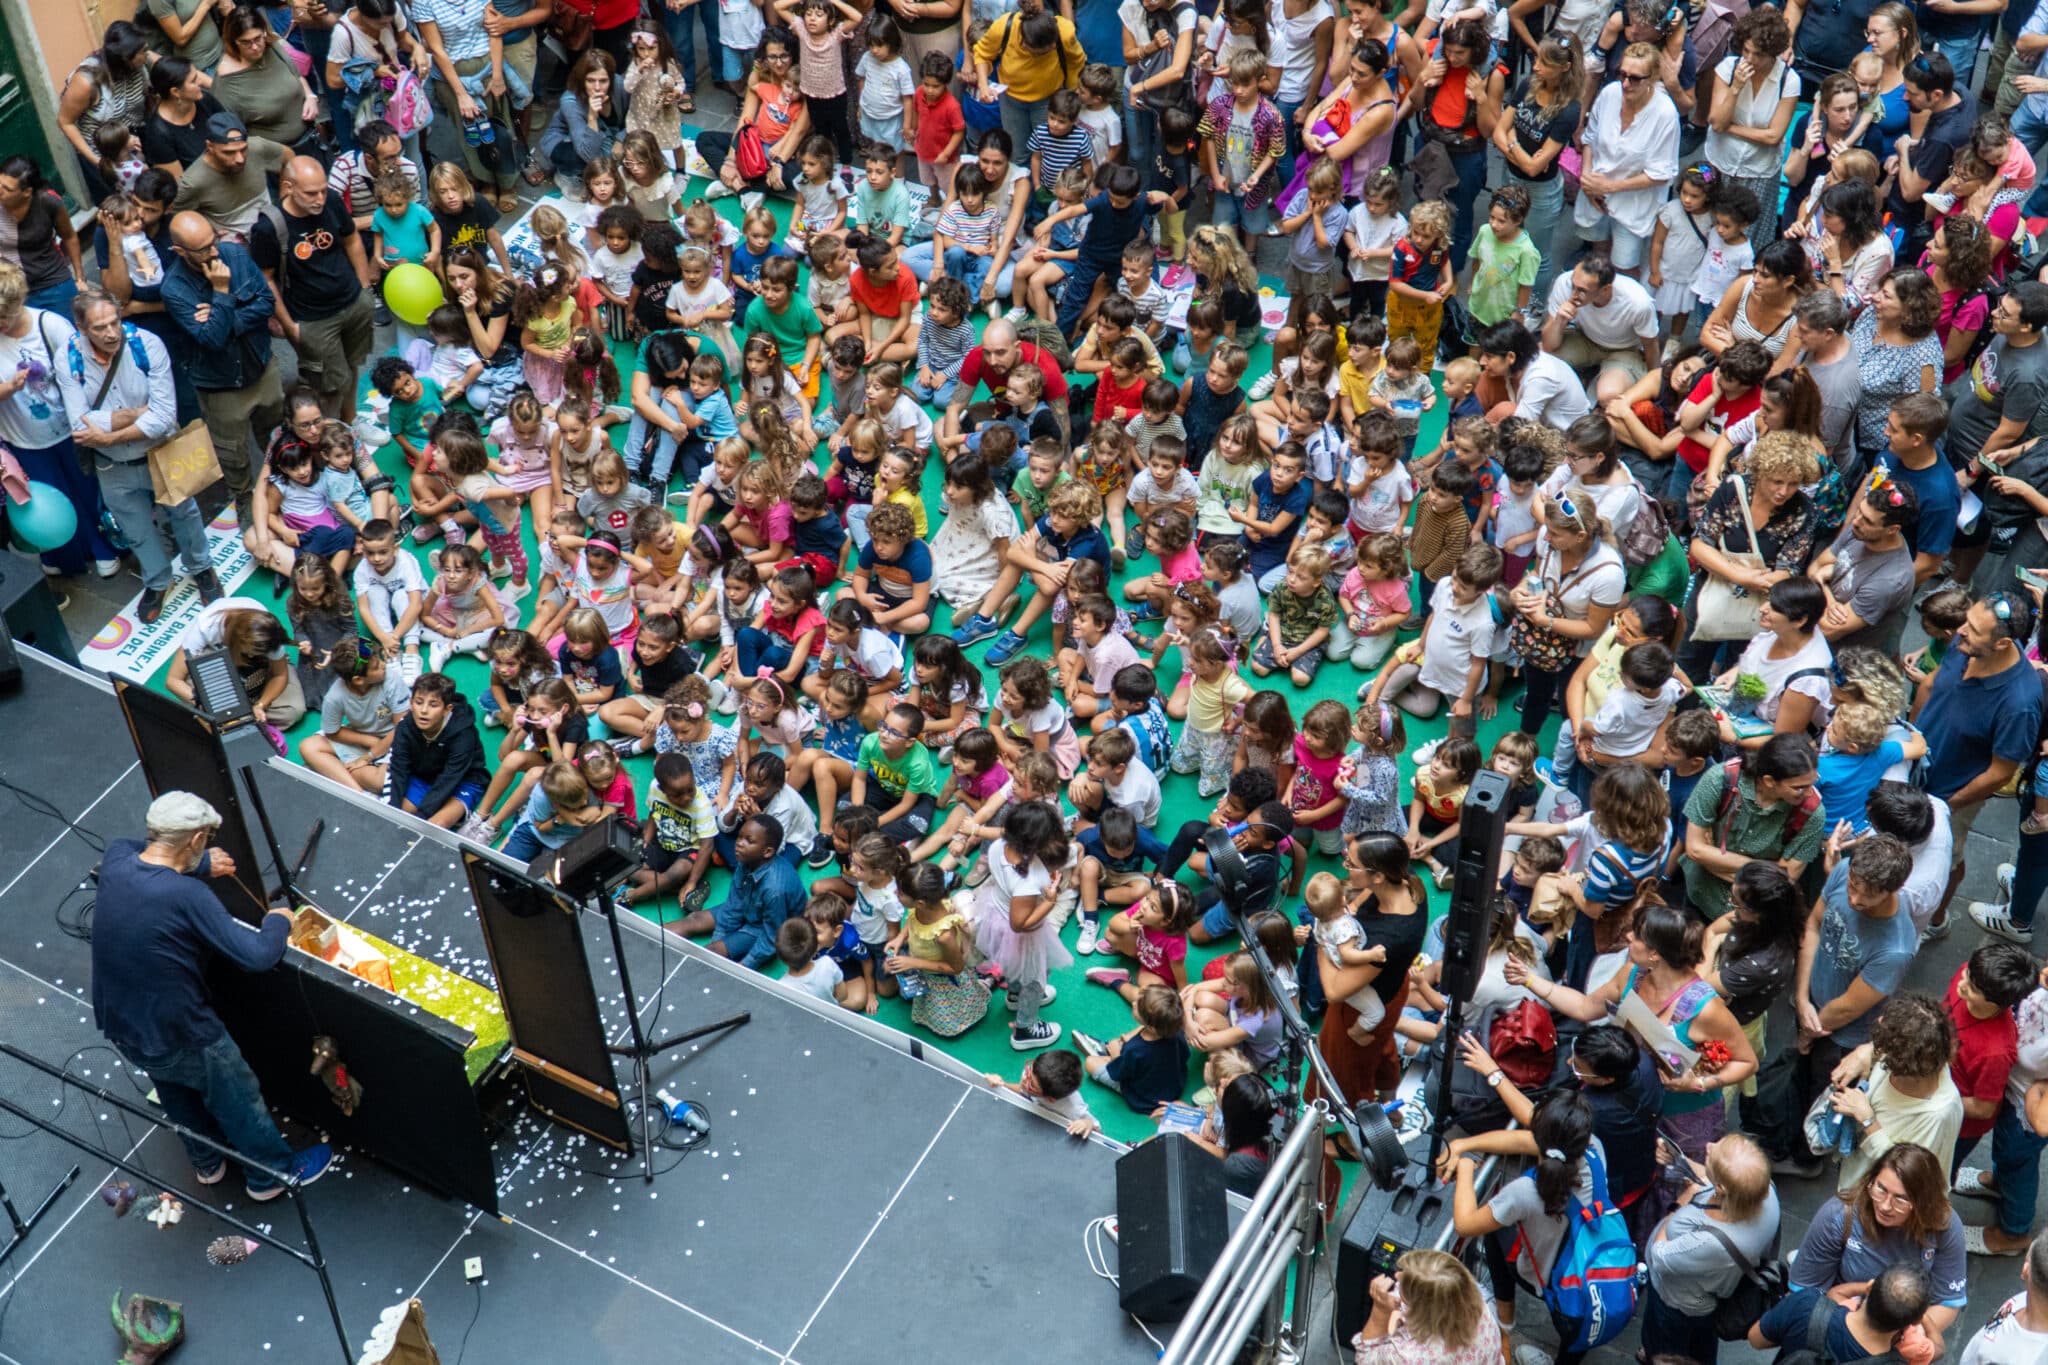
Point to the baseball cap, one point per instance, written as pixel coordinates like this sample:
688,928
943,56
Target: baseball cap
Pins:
226,126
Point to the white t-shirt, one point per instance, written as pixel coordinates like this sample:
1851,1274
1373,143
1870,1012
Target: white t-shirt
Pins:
1294,46
1617,502
205,632
1105,127
1600,580
1453,637
2005,1340
875,655
1927,883
1011,882
450,363
1496,21
615,269
1624,322
822,978
1648,146
714,294
1754,108
909,415
35,416
885,85
1381,507
1138,793
1815,658
1627,720
1550,393
1374,233
404,577
740,24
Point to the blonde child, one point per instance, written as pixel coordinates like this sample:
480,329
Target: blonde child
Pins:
403,231
1226,478
1101,112
452,200
1378,596
705,230
1369,777
656,90
700,302
1105,463
1420,279
1299,619
1402,389
545,313
928,956
644,174
1050,262
1340,938
687,727
1214,698
717,490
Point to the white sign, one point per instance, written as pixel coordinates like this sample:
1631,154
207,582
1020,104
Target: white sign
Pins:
136,652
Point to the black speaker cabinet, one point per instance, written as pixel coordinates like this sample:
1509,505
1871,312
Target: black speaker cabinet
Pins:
1475,884
1172,1221
1378,1228
29,605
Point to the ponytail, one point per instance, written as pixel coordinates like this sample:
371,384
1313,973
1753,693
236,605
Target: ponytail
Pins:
1563,1129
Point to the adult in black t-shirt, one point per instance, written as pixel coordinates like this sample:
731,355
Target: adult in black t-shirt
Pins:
321,277
1826,36
1543,120
1924,162
175,135
485,298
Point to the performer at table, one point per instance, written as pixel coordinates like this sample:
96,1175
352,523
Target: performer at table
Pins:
156,925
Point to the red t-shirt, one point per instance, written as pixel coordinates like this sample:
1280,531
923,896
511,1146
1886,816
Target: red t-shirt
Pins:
936,123
606,14
1726,414
975,369
810,619
1108,397
889,300
1985,1052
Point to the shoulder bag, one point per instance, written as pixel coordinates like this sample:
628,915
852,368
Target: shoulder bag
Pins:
1724,610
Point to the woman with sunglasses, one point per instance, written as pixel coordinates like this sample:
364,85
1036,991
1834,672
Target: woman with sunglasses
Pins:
358,717
1630,160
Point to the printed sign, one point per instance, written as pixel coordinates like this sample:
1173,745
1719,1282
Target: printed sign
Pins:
138,653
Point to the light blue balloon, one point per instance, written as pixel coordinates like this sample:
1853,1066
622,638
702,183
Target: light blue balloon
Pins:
48,521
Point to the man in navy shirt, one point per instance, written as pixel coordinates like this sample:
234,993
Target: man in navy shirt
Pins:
156,926
1809,1320
1981,715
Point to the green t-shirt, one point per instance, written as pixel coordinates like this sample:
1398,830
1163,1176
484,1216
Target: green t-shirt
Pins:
1031,497
202,49
1665,576
914,772
411,420
1499,271
790,330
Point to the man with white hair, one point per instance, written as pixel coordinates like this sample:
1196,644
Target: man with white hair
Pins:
156,925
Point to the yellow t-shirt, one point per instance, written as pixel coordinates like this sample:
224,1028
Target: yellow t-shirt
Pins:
908,498
1210,704
1030,75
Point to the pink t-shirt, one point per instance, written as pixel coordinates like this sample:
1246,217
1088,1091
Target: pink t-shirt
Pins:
2017,170
1161,953
1315,783
772,523
1184,567
1112,653
985,784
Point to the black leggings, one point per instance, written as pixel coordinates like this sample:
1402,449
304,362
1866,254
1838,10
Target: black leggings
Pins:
828,116
1184,843
1542,692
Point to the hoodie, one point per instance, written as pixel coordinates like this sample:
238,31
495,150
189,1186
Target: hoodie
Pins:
445,763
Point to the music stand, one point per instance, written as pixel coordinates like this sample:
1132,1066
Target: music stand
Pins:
587,870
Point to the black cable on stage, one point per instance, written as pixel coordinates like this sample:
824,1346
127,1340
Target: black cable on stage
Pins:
42,806
463,1349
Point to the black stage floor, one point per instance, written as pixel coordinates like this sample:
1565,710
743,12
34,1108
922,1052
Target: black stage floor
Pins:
854,1203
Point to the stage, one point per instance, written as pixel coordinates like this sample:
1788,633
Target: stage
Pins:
860,1197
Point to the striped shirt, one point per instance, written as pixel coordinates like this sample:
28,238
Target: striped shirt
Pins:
1614,870
942,350
1057,153
462,26
350,178
968,229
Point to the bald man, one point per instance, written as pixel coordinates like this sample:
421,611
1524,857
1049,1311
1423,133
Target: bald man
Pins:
321,278
222,306
989,364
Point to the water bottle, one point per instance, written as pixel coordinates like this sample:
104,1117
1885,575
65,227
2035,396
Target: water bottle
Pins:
910,985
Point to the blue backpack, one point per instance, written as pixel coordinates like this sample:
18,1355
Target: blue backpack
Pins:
1592,1287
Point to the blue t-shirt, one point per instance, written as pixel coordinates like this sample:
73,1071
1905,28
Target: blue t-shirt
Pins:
1856,945
1111,229
1940,499
1087,543
1262,556
1789,1319
824,535
898,578
716,410
1970,721
1149,1073
1846,780
600,670
539,808
1149,732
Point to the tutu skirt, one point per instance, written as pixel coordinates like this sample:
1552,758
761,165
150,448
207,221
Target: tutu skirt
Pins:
1029,956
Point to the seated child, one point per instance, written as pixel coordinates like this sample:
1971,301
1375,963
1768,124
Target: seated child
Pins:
806,970
359,717
1299,619
678,831
1148,1066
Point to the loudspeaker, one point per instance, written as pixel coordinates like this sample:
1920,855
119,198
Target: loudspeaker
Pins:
29,606
1172,1221
10,662
1378,1228
1475,885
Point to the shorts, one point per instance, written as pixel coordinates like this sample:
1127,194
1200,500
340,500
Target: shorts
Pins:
1626,249
469,793
1581,353
660,860
325,541
1112,880
1219,922
1262,654
1230,209
1961,819
1302,283
332,350
887,131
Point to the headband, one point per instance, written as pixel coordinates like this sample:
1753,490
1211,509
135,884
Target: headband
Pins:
1553,1154
602,541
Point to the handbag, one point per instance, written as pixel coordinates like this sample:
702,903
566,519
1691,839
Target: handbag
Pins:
1722,610
1755,1294
572,27
749,156
183,464
1540,646
1179,95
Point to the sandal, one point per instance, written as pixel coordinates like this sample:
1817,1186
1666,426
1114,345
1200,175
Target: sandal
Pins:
537,170
686,103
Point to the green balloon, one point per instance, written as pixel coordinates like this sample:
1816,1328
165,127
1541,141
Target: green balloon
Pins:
413,292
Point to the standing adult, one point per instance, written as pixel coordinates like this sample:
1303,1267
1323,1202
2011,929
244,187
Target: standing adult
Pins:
1773,813
369,43
141,300
1390,904
2001,404
1836,110
175,135
1457,106
109,86
1857,947
1031,53
519,24
36,427
460,47
941,25
1755,94
1158,52
1630,159
160,925
353,176
1431,1309
1530,382
1726,1208
321,278
257,82
611,29
1543,120
1826,37
1897,352
230,183
1981,714
36,235
117,386
1868,572
220,301
191,29
1958,261
1574,586
1820,329
1924,159
1367,99
1303,33
1604,322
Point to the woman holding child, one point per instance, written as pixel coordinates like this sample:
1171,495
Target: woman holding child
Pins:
1389,901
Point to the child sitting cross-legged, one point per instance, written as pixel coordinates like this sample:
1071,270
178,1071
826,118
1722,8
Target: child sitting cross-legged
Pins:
1299,619
1114,852
841,946
1149,1065
548,728
1450,660
1439,799
1047,552
1088,669
678,831
765,893
359,717
928,956
1114,780
977,788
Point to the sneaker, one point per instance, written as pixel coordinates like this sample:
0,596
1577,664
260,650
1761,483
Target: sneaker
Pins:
106,568
1528,1353
681,497
1544,773
410,667
213,1174
1936,930
151,605
1006,647
514,591
822,854
694,902
1052,993
208,583
974,630
1111,977
424,532
438,654
1117,559
307,1166
477,830
1090,1045
1146,611
50,571
1994,919
1016,315
1264,387
1044,1033
1085,945
1427,751
2005,875
625,746
717,189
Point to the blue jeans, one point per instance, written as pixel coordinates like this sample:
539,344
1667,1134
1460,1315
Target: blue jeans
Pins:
968,268
523,845
1019,118
2016,1165
1080,284
1231,208
693,449
211,1091
746,942
1546,210
1141,134
682,37
1288,109
917,259
1471,169
2032,131
758,649
56,298
130,495
934,398
2029,880
1962,56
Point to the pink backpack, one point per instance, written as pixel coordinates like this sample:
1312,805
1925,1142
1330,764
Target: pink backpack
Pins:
407,107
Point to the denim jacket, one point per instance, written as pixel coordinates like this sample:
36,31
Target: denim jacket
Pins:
232,346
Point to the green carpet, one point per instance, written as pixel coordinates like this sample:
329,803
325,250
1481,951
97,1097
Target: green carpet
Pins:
1080,1005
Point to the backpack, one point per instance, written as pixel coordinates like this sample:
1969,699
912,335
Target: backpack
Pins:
1818,1353
1731,792
1047,338
1592,1289
1179,95
1646,534
1523,1043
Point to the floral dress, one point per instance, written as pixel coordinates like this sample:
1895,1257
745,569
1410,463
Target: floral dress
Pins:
1372,782
706,756
1887,372
949,1005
